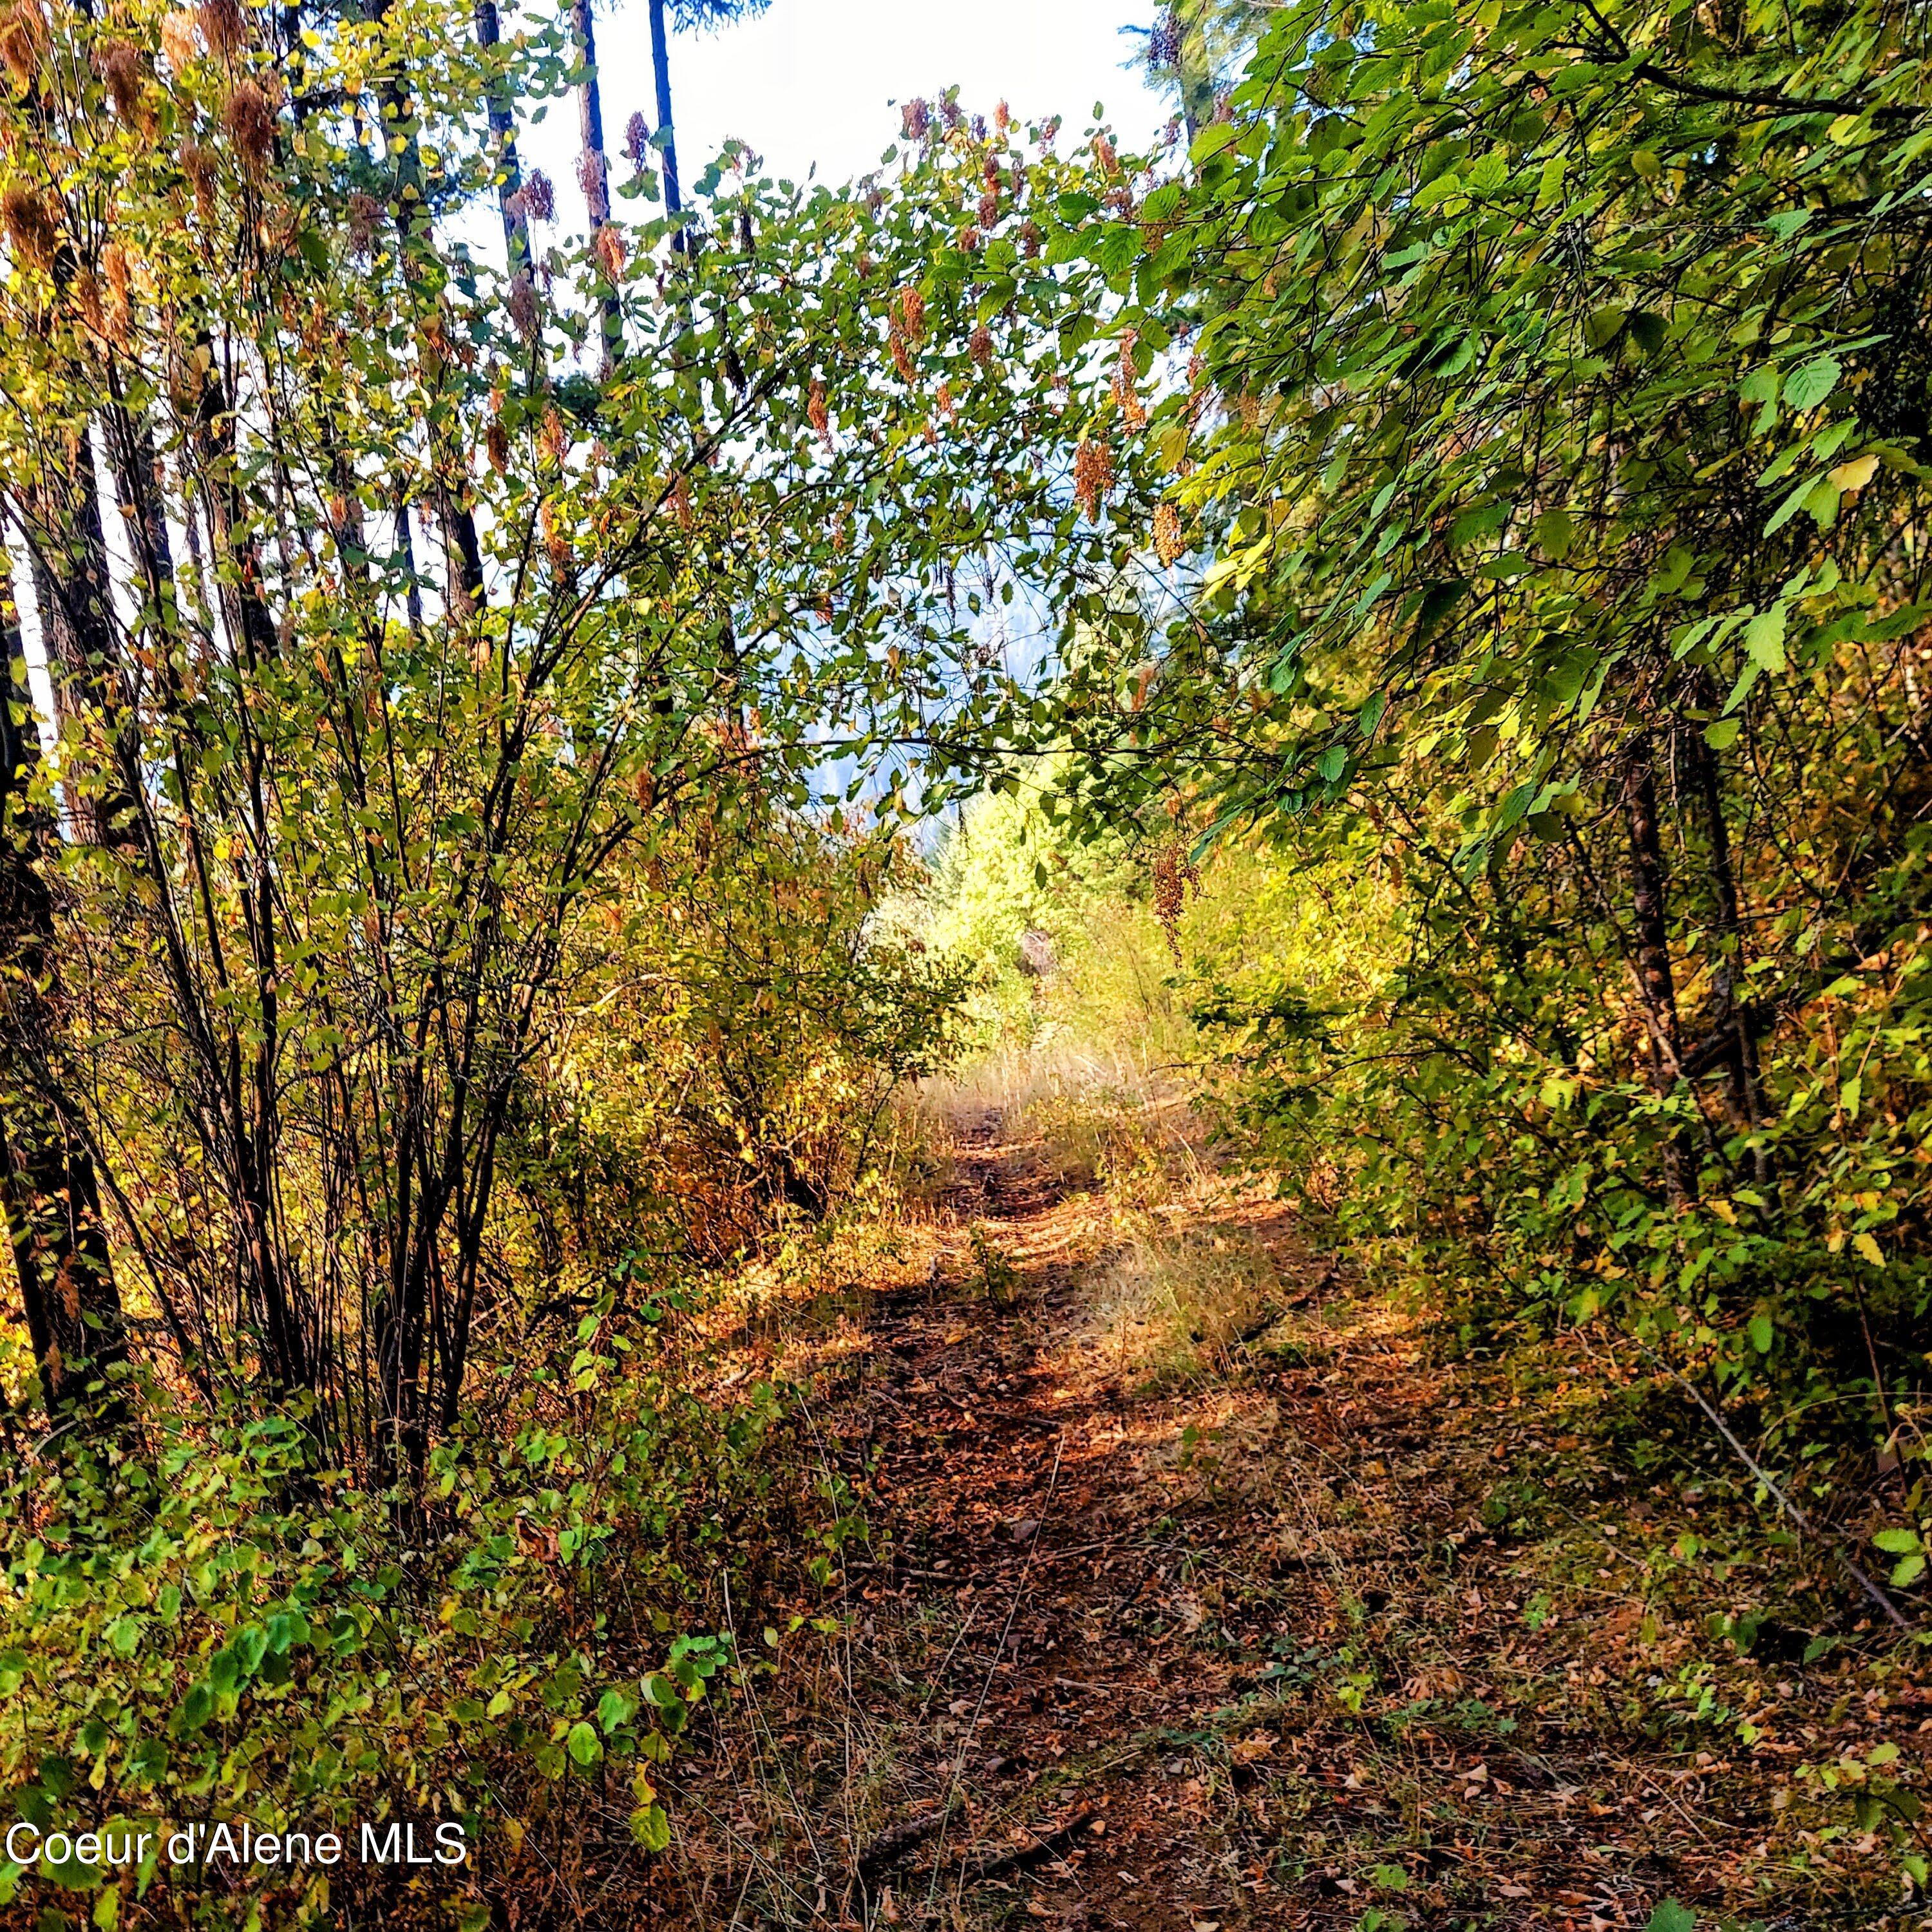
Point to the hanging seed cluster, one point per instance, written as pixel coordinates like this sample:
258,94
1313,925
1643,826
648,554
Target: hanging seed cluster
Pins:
1093,477
1173,873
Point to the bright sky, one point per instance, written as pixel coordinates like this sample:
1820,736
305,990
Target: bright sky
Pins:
812,80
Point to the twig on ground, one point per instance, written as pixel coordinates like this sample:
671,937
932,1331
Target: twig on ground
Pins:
891,1846
1784,1502
990,1864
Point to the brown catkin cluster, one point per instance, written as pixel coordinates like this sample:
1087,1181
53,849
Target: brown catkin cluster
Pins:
989,196
555,537
119,68
979,344
1029,238
30,226
496,441
637,140
365,213
87,299
249,118
1103,153
23,41
1002,119
555,439
1093,476
118,267
1125,393
522,306
818,412
181,41
610,251
1168,542
915,120
1174,873
538,197
906,324
224,28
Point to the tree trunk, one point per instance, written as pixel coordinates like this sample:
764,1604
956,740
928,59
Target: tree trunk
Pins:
70,547
593,175
1656,983
409,209
1744,1093
48,1187
666,140
503,133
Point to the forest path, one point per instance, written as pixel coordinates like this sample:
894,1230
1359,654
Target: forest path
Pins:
1034,1650
1200,1590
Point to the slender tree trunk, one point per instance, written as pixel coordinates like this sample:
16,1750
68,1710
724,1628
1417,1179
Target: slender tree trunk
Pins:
415,241
78,628
1657,984
48,1187
667,139
1194,65
249,1092
503,133
1743,1092
593,175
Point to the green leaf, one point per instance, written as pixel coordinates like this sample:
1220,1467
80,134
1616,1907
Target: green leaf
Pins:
1473,525
1764,639
1896,1542
1672,1917
1212,139
583,1743
1761,1332
1808,385
1602,326
650,1828
1554,533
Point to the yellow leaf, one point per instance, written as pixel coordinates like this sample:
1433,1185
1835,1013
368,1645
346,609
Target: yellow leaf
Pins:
1854,475
1869,1248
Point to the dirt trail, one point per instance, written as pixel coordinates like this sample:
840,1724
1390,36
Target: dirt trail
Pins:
1301,1623
1032,1543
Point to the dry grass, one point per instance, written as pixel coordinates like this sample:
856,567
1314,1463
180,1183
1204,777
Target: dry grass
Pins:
1172,1309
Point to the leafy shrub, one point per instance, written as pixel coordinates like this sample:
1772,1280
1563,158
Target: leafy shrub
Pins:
196,1624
